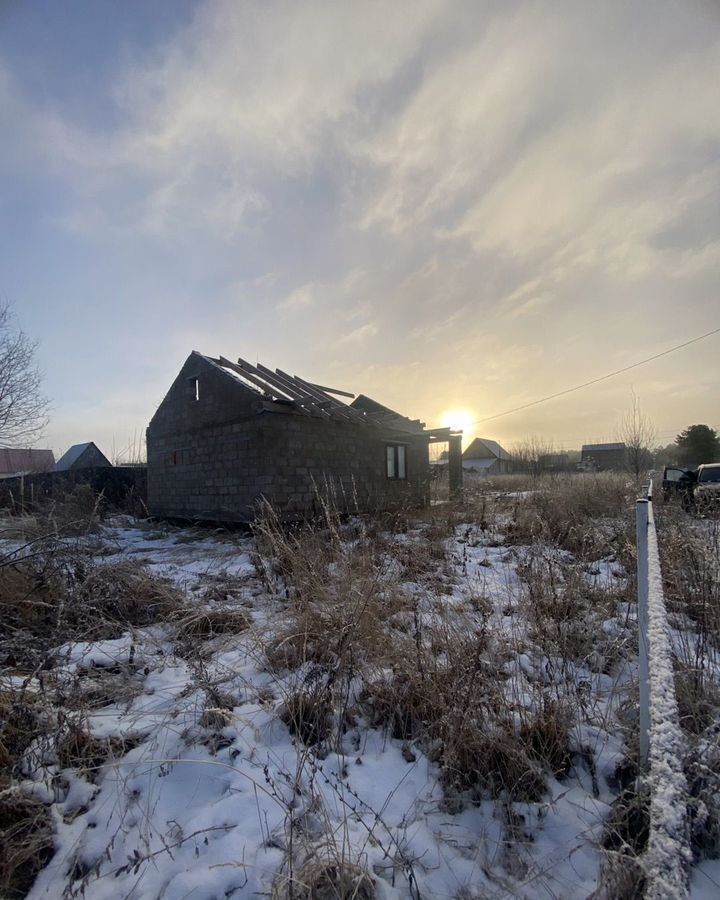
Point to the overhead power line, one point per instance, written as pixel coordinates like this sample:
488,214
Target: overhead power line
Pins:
579,387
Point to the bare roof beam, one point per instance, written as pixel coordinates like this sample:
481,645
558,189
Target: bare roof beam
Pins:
317,396
347,412
292,390
258,382
249,372
328,390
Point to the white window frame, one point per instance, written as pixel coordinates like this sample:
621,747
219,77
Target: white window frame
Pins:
396,462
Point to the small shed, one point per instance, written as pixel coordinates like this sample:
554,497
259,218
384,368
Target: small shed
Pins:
229,434
604,457
487,457
24,462
81,456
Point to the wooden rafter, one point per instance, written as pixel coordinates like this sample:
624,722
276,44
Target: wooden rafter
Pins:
292,389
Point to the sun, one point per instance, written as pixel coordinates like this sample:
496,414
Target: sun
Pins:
458,420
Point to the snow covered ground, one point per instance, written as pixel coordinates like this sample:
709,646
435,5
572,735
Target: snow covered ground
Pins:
203,791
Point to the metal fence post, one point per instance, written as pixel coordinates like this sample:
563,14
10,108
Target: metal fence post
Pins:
641,521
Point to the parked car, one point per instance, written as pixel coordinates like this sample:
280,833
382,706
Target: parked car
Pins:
679,483
706,492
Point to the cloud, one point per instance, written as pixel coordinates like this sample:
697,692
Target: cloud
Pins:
299,299
505,193
360,335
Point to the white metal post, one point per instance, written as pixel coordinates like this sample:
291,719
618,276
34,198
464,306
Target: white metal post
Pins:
641,512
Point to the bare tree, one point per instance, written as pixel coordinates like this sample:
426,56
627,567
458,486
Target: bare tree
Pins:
639,435
23,406
531,454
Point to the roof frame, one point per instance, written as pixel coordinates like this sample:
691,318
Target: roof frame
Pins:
315,400
289,387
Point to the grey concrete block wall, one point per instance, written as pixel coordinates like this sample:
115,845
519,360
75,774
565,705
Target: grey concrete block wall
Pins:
216,457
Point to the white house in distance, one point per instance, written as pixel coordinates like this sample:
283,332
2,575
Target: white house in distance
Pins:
486,457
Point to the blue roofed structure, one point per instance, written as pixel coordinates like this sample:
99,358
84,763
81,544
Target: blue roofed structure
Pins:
82,456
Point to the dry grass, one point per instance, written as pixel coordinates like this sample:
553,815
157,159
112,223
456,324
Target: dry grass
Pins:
208,623
450,700
626,832
586,515
307,713
565,610
119,595
351,645
690,561
56,592
52,592
324,879
26,833
21,718
346,617
77,748
340,589
26,842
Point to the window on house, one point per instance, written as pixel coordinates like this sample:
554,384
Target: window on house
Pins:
194,388
396,462
180,457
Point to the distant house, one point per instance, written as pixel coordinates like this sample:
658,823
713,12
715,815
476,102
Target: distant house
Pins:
228,435
81,456
604,457
487,457
25,462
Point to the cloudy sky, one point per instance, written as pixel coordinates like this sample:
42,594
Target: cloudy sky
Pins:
451,206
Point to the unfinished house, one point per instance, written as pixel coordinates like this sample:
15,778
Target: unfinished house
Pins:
230,434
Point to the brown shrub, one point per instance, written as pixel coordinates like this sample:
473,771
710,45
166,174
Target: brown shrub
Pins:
19,724
452,702
32,601
546,735
325,879
307,713
77,748
584,514
301,643
59,594
207,624
26,842
698,697
125,594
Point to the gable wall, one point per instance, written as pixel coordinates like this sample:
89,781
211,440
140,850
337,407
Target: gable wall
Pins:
478,450
222,399
90,458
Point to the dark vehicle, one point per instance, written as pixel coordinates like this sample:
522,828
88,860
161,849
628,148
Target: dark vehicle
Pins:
706,492
679,483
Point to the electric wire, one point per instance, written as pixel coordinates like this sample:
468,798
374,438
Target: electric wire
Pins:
585,384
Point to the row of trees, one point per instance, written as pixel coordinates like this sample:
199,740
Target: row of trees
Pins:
695,445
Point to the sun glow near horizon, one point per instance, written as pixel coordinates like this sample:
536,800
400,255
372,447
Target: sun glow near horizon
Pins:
459,420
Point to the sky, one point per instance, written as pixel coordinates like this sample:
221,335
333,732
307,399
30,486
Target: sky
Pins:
454,207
